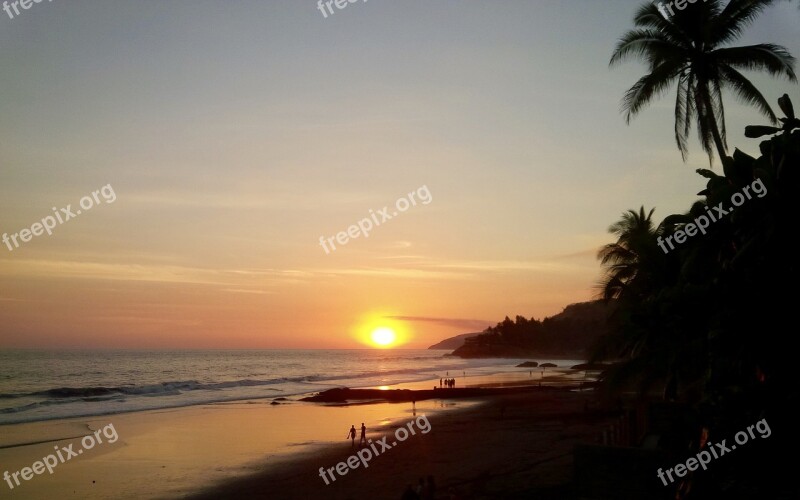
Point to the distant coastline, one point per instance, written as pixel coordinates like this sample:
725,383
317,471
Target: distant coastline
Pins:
567,335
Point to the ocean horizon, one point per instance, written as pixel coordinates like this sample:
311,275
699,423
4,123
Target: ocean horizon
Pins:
45,384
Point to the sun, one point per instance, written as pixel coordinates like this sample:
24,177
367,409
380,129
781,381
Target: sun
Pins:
383,336
379,329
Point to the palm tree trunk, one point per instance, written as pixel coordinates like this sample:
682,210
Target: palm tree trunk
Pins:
712,124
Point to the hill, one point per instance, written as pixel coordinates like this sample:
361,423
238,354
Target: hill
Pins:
568,334
453,342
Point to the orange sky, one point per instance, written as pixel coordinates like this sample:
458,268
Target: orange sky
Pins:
235,136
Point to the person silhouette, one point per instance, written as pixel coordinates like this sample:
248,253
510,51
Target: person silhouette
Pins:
430,489
363,435
352,435
409,494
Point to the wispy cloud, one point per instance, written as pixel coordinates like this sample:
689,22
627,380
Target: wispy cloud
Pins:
240,279
464,324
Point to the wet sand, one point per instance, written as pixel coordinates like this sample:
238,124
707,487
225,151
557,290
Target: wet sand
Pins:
515,446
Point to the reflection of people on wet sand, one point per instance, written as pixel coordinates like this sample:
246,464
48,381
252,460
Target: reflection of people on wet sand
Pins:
352,435
363,435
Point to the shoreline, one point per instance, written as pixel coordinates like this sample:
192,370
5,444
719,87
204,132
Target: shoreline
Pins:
176,452
494,375
344,395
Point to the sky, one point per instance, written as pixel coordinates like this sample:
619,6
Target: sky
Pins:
234,135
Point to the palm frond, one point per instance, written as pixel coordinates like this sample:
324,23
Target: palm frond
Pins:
734,18
649,86
768,57
747,92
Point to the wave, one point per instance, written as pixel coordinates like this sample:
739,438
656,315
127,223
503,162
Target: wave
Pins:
110,392
182,386
164,388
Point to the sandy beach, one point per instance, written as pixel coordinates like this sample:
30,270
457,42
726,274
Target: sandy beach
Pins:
516,446
248,448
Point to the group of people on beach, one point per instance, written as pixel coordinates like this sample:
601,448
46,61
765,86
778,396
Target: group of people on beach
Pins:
352,435
448,382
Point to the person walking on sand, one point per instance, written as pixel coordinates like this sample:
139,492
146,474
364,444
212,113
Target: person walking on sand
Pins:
352,435
363,435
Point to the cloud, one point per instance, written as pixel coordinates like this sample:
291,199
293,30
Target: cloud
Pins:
461,323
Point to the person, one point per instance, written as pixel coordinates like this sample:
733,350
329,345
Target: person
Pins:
363,435
430,489
440,381
454,382
409,494
352,435
421,488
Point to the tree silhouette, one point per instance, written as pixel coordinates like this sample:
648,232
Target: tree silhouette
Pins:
687,49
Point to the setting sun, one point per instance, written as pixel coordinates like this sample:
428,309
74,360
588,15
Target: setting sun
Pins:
383,336
380,329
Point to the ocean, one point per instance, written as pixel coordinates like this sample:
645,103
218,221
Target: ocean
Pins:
49,384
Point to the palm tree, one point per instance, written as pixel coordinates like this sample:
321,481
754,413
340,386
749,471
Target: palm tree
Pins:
687,48
650,336
633,260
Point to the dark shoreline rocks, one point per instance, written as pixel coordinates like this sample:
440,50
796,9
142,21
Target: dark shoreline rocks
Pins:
341,395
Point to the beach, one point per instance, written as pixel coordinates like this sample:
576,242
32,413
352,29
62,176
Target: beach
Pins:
516,446
245,448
